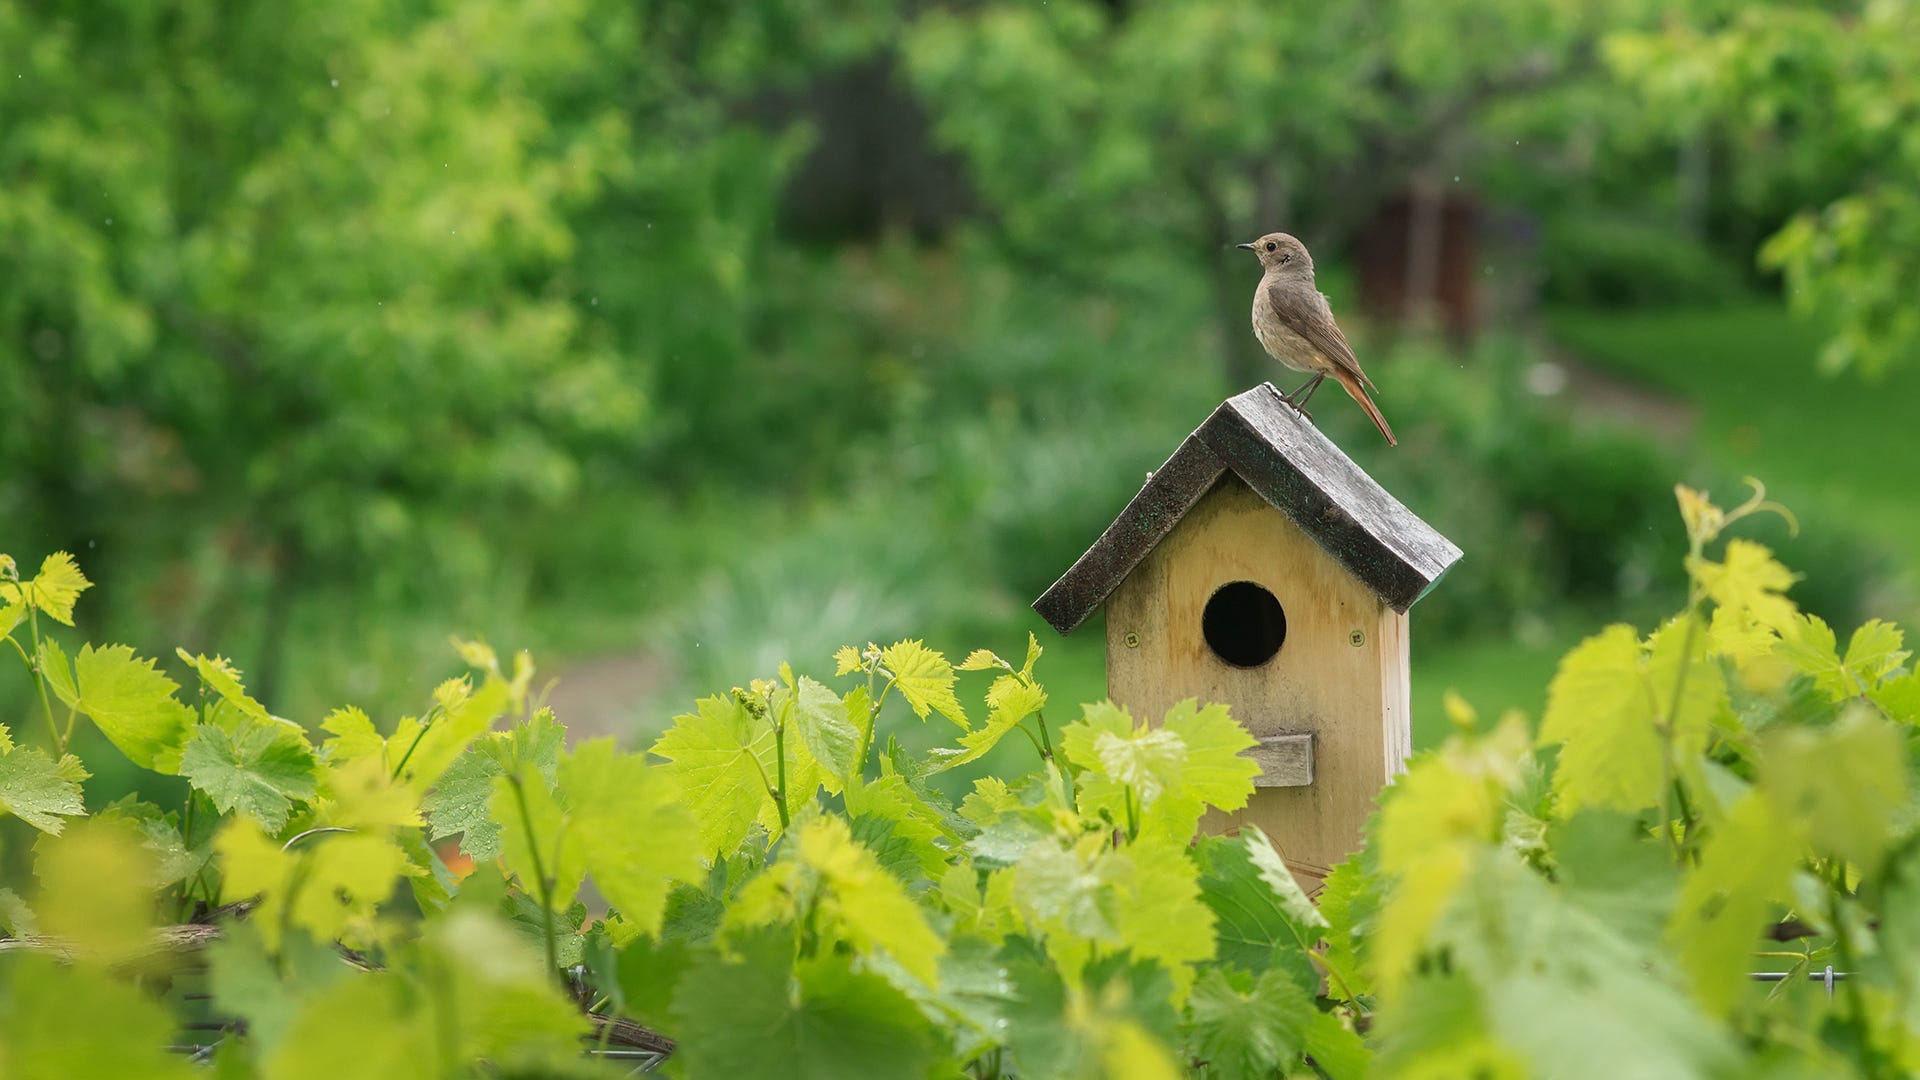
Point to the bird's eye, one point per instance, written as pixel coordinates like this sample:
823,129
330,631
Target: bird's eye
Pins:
1271,245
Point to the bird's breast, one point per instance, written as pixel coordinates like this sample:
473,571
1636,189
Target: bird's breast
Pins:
1279,339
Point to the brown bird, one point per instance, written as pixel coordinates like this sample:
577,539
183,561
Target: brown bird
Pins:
1295,325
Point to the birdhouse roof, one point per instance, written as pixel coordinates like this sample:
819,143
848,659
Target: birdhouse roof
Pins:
1278,453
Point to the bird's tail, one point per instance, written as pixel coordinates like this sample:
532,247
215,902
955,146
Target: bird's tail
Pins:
1359,394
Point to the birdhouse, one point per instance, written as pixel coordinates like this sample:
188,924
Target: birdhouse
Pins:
1261,568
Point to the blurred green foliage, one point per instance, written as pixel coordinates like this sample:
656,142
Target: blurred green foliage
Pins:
314,317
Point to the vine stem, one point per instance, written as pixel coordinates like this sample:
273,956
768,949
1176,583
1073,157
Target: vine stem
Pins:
539,871
40,677
779,765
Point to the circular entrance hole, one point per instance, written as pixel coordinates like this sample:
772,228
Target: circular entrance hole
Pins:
1243,624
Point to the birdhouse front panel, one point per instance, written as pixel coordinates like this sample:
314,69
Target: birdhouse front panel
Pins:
1238,605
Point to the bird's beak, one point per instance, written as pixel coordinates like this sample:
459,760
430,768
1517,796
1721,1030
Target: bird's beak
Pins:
1244,247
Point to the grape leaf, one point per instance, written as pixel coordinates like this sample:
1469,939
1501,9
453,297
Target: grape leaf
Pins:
458,803
1246,1027
635,834
367,1025
53,590
426,750
981,660
175,858
822,722
1845,785
1336,1051
219,675
96,885
925,679
130,700
352,735
254,768
505,1008
33,789
1009,701
1876,650
327,884
1747,586
54,1026
870,907
916,838
1743,869
722,757
1215,771
847,660
1900,698
1598,705
1256,928
816,1019
610,815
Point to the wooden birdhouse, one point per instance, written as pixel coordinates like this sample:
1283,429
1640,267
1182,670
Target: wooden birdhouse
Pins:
1260,567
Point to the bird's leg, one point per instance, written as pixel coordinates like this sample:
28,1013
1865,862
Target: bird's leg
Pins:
1298,399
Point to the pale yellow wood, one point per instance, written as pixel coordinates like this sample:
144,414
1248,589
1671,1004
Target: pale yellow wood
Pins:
1284,760
1341,675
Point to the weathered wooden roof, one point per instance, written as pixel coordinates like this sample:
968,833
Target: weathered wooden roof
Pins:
1280,454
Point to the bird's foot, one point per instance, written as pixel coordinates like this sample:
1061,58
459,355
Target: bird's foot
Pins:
1296,406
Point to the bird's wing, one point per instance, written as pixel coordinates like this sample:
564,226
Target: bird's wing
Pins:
1306,312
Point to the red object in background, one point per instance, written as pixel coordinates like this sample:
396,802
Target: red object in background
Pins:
1385,256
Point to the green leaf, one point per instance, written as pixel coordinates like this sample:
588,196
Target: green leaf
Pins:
1900,698
368,1025
816,1019
54,1015
219,675
909,836
96,890
722,757
175,859
634,833
16,918
1724,900
458,803
254,768
429,749
329,884
352,736
847,660
610,815
1612,869
1875,651
1009,701
1160,780
506,1009
925,679
1215,772
1246,1028
1112,1022
1256,926
130,700
650,971
823,724
981,660
1335,1049
1598,705
33,789
55,588
862,904
1845,785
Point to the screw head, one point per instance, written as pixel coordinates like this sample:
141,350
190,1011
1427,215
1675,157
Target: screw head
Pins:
1357,638
1132,640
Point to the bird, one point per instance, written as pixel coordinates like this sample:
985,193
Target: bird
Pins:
1294,323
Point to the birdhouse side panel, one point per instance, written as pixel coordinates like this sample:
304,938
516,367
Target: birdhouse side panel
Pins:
1339,673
